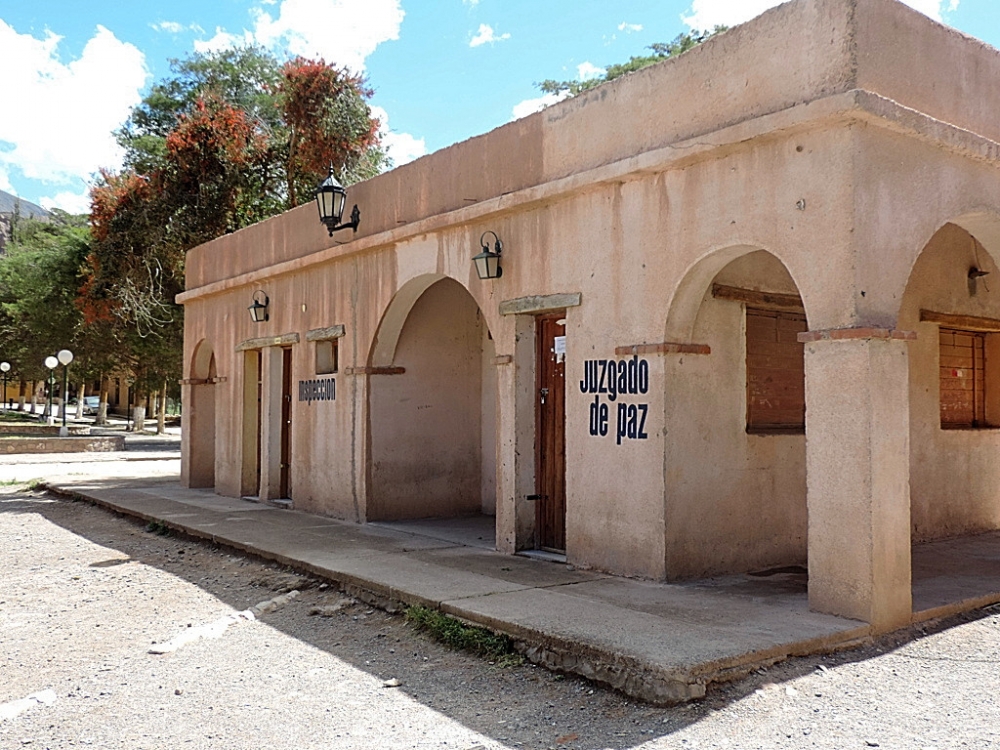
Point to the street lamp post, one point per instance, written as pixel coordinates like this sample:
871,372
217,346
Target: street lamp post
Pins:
65,356
52,363
5,368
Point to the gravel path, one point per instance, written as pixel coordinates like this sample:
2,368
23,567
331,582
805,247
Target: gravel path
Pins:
86,595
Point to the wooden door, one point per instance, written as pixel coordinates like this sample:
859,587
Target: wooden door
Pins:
551,432
286,421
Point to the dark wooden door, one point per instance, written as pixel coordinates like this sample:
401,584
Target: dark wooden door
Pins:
286,420
551,432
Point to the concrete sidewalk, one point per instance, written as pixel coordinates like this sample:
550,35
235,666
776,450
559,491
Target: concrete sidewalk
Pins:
658,642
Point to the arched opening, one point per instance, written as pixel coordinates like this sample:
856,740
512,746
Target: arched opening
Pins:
432,409
952,301
735,464
199,416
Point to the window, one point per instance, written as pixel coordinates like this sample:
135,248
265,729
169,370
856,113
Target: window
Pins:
326,357
776,394
963,375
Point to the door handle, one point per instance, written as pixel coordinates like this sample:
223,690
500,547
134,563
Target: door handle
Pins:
544,393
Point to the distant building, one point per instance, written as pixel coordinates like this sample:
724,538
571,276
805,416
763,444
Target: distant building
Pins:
10,207
749,317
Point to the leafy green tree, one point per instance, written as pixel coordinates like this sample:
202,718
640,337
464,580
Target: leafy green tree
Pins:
661,51
40,274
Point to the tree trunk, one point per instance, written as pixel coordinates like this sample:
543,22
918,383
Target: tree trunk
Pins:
22,394
161,415
34,395
102,407
138,413
81,392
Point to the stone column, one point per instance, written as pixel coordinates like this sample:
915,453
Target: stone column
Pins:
187,398
858,474
515,522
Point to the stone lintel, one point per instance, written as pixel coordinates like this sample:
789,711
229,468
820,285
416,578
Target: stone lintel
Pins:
374,370
262,343
202,381
855,334
541,303
664,348
325,334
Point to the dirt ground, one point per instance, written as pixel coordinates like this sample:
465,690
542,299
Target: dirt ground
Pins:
86,595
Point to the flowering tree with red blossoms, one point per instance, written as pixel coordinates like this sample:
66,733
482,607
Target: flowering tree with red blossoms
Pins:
231,139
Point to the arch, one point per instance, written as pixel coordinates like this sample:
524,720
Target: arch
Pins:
391,326
735,495
954,477
694,283
200,417
202,361
432,414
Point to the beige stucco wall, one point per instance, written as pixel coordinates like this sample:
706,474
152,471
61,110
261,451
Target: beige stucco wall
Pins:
730,163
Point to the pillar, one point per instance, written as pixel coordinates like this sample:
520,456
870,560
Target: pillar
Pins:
857,466
516,389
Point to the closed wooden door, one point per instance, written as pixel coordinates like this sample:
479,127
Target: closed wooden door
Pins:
286,421
551,432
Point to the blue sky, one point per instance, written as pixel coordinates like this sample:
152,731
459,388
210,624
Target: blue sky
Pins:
442,70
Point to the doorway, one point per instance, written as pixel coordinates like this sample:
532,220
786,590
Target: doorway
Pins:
550,449
286,422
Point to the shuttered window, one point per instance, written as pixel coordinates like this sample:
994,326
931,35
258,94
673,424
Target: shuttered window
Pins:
776,398
963,378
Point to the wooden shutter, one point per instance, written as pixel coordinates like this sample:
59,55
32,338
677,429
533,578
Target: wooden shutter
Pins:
963,377
776,397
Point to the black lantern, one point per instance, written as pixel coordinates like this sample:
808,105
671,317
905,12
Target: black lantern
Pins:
331,199
488,261
258,310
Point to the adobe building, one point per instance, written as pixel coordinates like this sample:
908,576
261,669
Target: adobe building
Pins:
749,317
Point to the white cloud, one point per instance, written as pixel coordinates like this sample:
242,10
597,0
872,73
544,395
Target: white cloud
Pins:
706,14
486,35
342,32
171,27
472,3
62,131
401,147
530,106
587,70
71,203
628,28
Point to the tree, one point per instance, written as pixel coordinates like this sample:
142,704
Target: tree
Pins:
40,274
661,51
228,140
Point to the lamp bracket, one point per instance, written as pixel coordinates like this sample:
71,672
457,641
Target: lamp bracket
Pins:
352,224
497,245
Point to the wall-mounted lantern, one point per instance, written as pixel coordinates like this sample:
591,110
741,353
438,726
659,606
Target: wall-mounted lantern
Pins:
258,310
331,199
488,261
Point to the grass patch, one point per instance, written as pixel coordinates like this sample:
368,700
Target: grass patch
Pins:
18,418
453,633
159,528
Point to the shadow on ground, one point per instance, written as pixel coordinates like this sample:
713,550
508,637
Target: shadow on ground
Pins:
533,698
